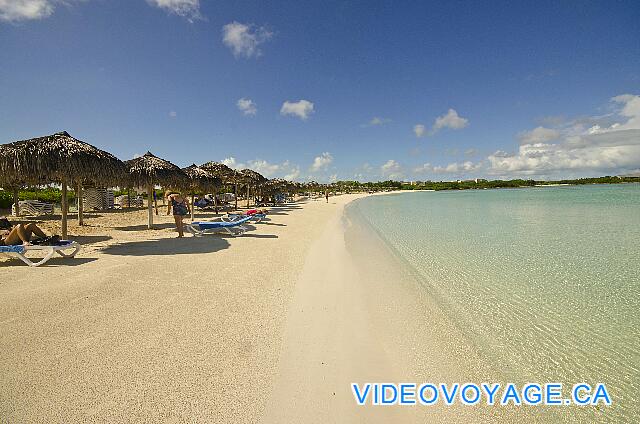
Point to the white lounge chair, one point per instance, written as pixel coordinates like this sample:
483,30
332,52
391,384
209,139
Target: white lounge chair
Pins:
33,208
20,251
234,228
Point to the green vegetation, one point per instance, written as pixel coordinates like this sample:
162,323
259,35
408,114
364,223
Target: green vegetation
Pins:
49,195
53,195
473,184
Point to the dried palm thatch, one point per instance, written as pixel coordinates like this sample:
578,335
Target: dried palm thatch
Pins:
59,158
201,178
276,185
222,171
149,169
252,177
226,174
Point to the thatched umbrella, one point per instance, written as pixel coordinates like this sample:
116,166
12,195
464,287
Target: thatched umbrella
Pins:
59,158
226,174
252,178
275,186
9,184
200,179
148,170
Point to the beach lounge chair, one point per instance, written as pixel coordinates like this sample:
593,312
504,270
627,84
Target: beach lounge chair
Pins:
232,217
33,208
234,228
19,251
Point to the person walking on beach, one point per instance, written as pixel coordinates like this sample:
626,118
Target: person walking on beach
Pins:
326,195
180,207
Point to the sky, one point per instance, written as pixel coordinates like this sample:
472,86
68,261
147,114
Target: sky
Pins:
333,90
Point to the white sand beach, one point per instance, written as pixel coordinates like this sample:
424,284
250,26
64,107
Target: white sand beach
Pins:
269,327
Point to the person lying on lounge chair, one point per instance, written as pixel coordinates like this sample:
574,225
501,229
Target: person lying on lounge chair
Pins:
252,212
13,235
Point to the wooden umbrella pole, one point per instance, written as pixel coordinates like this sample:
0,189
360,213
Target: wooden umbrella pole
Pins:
155,201
64,206
80,205
150,205
215,201
16,201
193,199
235,191
248,188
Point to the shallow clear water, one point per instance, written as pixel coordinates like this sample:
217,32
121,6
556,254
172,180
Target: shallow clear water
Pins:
545,282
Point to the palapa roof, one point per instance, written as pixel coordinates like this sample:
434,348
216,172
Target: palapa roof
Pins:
252,176
201,178
277,184
223,172
58,157
149,169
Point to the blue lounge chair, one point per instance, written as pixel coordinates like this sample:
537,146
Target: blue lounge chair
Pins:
234,228
60,248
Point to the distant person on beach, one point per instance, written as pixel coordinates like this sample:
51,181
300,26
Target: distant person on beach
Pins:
13,235
180,207
326,195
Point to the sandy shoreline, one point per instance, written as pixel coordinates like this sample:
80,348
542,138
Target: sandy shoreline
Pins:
269,327
143,327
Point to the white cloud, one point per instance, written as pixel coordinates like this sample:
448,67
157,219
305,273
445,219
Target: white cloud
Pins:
630,109
594,145
302,109
173,114
20,10
322,162
612,147
294,174
244,40
450,120
391,169
377,121
333,178
24,10
538,135
285,169
189,9
457,168
247,106
232,163
263,167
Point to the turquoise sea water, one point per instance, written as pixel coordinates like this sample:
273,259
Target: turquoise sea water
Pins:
543,281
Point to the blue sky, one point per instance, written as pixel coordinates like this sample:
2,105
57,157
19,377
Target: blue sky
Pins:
334,89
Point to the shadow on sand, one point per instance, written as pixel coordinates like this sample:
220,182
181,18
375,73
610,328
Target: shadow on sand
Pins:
143,227
168,246
85,240
251,235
